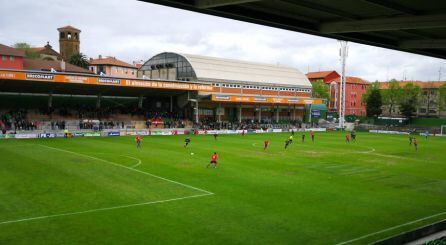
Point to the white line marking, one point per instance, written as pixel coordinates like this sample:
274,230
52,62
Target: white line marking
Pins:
391,228
134,158
254,144
367,152
101,209
359,171
129,168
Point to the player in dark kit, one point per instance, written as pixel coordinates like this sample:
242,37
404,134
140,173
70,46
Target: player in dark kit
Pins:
265,144
215,136
287,143
410,140
138,141
213,160
303,137
353,135
186,142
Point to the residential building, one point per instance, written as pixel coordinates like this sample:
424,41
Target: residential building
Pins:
11,58
110,66
428,103
355,87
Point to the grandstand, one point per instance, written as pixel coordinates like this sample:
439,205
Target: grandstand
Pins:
172,91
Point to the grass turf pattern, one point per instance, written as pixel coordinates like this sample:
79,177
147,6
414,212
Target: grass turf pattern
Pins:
325,192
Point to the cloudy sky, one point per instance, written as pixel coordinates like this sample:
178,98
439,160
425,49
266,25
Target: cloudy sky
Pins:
131,30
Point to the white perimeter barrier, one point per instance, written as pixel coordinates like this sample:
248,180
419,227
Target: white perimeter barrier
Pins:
146,132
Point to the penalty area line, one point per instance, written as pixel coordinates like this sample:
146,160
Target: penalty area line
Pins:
101,209
128,168
391,228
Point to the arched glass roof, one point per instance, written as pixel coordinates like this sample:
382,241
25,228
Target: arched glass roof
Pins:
210,69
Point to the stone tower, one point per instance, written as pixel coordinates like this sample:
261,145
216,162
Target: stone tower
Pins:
69,41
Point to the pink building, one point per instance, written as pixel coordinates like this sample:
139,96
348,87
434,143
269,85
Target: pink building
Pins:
110,66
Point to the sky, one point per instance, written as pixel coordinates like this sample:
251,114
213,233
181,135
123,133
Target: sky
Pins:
132,31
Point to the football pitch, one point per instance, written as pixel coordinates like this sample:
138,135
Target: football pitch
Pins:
106,191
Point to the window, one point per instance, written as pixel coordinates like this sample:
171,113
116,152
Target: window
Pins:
3,57
11,58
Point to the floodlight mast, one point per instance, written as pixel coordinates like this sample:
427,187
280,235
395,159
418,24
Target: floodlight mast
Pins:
343,53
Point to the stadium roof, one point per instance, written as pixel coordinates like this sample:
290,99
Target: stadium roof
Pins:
414,26
213,69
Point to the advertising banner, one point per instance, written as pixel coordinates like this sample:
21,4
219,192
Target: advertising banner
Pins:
7,136
78,134
114,133
25,136
47,135
93,134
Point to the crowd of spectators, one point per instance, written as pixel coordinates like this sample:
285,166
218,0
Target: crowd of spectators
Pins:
16,120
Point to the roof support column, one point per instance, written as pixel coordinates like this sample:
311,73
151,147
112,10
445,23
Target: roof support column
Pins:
171,104
277,114
50,100
197,116
260,113
219,113
98,101
294,112
140,100
240,114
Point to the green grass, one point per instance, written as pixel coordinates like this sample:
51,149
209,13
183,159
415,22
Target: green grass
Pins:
312,193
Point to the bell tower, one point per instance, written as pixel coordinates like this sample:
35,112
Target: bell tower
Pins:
69,41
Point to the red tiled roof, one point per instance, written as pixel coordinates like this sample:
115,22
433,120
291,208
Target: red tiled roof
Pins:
355,80
110,61
46,65
6,50
47,49
68,27
436,84
318,74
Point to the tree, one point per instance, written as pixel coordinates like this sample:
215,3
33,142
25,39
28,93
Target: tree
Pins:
29,53
392,95
442,97
409,100
79,59
320,90
373,100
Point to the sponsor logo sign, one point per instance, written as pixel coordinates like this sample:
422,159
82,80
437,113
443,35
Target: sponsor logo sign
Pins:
114,133
78,134
260,99
39,76
47,135
222,97
92,134
109,81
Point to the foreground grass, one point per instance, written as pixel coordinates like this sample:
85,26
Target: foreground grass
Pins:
312,193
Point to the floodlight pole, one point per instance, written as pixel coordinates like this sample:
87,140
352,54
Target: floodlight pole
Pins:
343,54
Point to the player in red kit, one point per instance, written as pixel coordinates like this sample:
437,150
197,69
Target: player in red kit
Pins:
312,135
265,144
138,141
213,160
